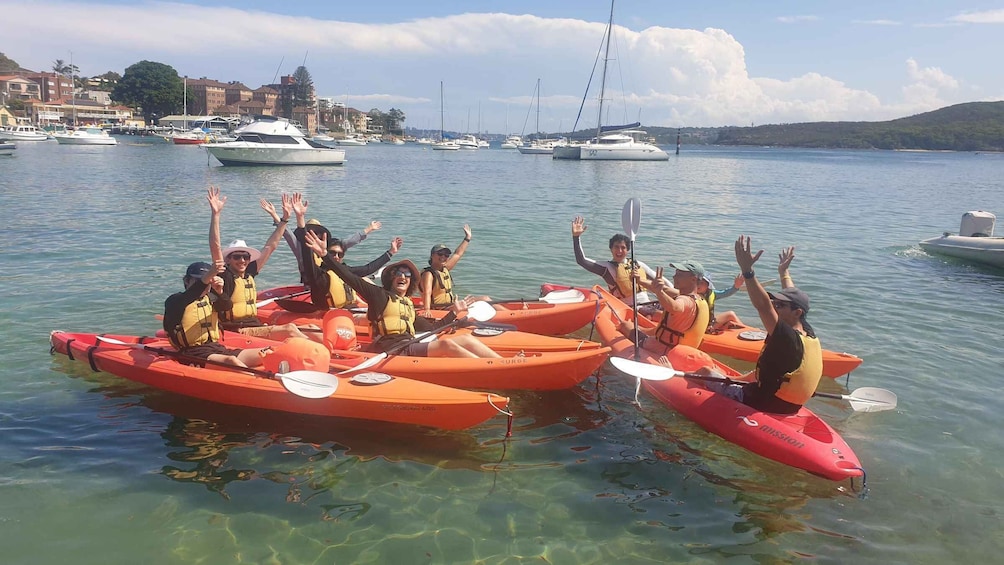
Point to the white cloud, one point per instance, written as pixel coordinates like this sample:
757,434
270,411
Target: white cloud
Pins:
878,22
985,17
796,19
670,77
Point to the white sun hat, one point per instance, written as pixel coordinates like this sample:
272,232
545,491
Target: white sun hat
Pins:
241,245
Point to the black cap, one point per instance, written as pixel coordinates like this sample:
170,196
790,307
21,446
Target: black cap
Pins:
198,270
796,297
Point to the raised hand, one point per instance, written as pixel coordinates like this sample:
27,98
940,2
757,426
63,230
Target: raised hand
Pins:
269,209
374,226
395,245
467,231
739,282
578,226
299,204
744,257
319,245
216,201
287,206
784,259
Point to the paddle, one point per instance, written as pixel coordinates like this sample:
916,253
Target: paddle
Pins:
631,221
569,296
284,297
481,314
864,399
308,384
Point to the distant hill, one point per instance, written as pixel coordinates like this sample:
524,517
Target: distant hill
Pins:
974,126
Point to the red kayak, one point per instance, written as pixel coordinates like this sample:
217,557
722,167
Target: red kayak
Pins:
801,440
745,342
385,399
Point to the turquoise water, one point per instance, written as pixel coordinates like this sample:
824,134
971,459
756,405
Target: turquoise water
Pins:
98,470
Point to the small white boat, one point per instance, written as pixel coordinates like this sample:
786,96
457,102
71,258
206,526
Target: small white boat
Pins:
424,141
321,138
7,148
512,142
974,242
352,140
541,146
625,145
23,132
484,144
85,136
446,145
468,141
273,141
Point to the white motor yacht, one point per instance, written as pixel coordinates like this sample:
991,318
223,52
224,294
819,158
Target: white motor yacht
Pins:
23,132
85,136
352,140
468,141
273,141
974,242
512,142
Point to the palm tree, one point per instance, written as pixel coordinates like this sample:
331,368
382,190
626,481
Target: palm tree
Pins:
59,66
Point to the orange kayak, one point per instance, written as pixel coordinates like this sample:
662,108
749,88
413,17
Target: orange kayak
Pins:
396,400
742,342
532,317
801,440
534,370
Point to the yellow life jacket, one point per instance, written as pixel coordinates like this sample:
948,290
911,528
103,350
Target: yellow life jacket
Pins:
398,317
692,336
340,295
797,386
244,298
199,325
623,280
442,288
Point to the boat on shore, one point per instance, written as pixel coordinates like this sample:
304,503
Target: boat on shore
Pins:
273,141
975,241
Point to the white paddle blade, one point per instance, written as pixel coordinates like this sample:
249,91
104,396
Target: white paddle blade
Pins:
570,296
871,399
114,341
309,384
644,371
631,217
481,311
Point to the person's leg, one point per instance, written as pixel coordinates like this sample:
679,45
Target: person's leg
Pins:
228,359
447,348
725,320
475,346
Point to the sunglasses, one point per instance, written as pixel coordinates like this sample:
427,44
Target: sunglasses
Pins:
240,256
781,304
405,274
443,253
337,253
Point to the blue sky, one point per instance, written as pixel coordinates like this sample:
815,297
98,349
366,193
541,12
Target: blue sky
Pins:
676,64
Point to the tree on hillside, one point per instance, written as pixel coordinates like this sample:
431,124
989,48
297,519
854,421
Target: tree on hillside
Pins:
303,88
107,81
377,118
154,87
60,66
395,121
7,64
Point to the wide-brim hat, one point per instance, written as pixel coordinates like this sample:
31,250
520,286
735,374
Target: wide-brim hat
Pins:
386,277
318,229
241,245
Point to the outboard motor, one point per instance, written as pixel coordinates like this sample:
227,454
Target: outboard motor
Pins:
977,224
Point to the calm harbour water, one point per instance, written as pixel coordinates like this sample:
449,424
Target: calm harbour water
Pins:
98,470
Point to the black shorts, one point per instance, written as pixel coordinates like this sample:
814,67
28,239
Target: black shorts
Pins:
205,350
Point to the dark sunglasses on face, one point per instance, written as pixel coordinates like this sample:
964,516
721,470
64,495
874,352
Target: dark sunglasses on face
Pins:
240,256
443,253
780,304
405,274
337,253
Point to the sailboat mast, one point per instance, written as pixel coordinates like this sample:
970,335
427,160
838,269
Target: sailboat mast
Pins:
603,81
186,102
442,113
73,90
537,133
